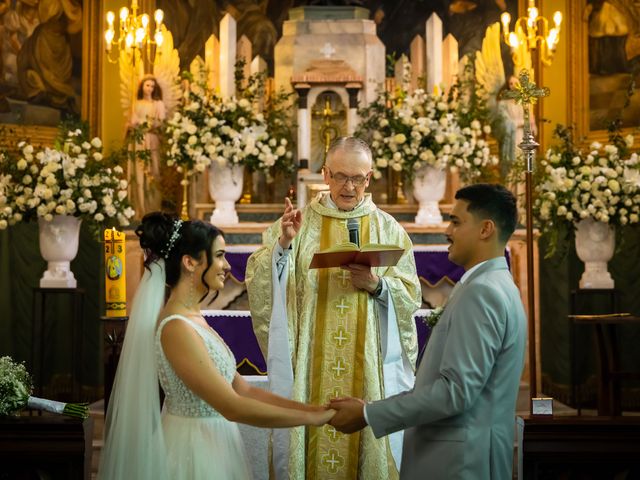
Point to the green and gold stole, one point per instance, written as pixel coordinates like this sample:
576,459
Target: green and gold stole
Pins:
338,358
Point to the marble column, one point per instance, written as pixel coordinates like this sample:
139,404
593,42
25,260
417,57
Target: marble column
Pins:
434,52
304,139
227,56
352,112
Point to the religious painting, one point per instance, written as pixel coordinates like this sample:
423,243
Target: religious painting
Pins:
191,22
44,60
606,64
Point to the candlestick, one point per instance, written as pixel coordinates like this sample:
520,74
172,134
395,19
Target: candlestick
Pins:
115,284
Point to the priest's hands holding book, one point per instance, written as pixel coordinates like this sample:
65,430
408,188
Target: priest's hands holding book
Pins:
290,224
362,277
349,417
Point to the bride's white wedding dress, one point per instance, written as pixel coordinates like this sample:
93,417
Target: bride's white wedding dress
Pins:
200,443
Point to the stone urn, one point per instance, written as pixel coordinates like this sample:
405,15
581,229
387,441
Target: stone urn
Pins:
429,185
225,188
58,246
595,244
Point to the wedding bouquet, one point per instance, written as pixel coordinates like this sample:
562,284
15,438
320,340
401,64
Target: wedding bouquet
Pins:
602,183
15,393
73,178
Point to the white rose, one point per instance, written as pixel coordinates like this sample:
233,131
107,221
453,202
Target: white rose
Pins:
96,142
628,140
22,164
98,217
400,138
382,163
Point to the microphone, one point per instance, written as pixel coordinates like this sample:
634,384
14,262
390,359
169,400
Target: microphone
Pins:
354,234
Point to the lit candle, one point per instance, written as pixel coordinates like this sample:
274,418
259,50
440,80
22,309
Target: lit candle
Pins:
115,274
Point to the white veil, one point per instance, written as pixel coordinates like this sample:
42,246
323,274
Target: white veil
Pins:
134,444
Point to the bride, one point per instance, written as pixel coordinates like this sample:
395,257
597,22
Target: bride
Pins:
196,435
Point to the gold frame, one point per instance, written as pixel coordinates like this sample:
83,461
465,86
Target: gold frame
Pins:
578,68
90,108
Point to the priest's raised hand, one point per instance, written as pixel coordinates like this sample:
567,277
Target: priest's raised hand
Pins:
289,224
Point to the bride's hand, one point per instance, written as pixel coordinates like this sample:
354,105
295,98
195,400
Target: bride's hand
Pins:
321,417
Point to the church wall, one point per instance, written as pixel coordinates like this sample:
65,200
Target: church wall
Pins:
112,117
556,76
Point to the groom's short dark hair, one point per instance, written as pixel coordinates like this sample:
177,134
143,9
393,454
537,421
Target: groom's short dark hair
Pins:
494,202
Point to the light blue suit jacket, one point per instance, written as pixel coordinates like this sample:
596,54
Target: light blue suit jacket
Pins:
459,419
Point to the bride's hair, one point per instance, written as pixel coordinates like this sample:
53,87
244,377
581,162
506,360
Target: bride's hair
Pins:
164,236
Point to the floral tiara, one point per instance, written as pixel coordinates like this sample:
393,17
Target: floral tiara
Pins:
175,235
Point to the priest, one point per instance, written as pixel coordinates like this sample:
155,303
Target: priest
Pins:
336,331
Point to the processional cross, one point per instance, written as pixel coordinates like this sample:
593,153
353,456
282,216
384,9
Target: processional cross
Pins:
526,94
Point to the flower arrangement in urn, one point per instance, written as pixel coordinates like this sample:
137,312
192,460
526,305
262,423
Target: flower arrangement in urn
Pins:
207,128
602,183
72,178
589,193
415,129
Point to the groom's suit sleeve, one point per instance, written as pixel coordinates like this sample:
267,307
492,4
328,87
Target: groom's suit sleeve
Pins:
473,342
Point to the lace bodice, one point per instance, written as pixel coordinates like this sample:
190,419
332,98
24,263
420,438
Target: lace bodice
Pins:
179,400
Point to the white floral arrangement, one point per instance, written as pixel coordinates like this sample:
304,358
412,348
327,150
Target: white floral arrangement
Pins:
603,184
71,179
207,128
414,129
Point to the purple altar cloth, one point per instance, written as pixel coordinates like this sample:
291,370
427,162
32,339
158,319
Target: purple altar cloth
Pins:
237,332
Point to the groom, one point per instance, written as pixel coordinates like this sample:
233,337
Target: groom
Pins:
459,419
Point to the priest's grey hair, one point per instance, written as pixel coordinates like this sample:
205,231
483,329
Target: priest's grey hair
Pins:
349,144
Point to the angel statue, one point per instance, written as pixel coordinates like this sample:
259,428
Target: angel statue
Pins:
153,99
506,116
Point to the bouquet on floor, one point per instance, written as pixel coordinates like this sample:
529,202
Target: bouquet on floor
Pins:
15,393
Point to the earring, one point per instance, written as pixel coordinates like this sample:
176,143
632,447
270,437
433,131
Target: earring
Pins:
192,294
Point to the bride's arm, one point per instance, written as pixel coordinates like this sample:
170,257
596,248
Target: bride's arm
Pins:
190,359
242,387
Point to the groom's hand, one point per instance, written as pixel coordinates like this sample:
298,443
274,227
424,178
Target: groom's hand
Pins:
349,415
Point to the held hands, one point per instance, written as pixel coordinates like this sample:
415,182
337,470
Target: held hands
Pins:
349,415
321,416
290,223
362,277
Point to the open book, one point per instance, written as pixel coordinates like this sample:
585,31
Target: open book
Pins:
371,254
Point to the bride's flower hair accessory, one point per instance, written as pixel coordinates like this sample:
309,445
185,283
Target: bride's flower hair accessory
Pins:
175,235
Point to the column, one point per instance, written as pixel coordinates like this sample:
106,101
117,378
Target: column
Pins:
227,56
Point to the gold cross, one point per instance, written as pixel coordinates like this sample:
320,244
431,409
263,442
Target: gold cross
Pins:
343,305
526,91
338,367
341,336
343,278
332,433
333,460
